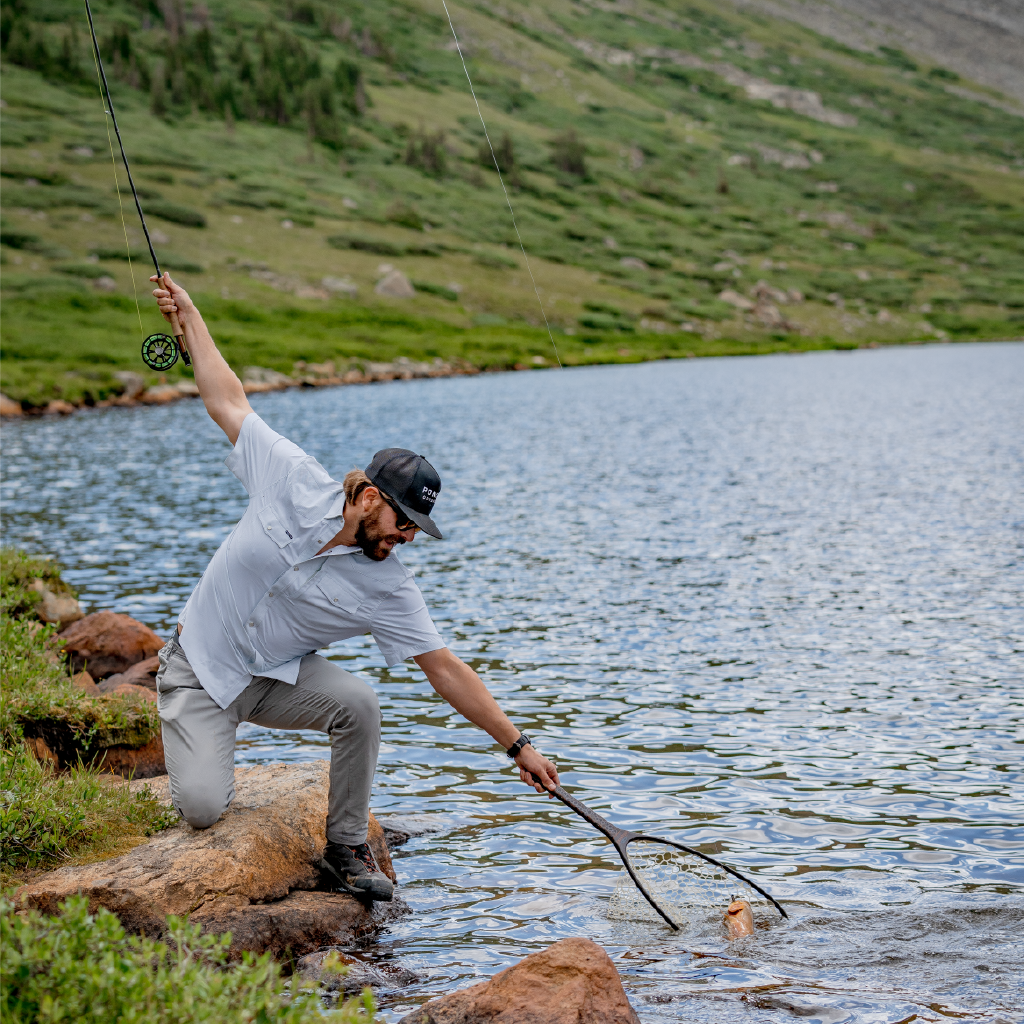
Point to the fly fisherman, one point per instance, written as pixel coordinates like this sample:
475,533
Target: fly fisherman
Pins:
309,563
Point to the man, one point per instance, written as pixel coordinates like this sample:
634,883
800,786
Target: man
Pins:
310,562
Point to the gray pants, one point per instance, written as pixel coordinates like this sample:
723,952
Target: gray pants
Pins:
199,736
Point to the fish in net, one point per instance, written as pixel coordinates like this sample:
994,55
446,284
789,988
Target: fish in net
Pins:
664,880
682,884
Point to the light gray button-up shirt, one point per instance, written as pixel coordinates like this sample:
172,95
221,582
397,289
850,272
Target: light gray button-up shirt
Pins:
267,599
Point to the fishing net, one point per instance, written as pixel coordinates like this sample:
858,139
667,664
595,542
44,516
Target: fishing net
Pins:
680,882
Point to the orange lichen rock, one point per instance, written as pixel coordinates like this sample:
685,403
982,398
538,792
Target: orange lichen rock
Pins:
739,919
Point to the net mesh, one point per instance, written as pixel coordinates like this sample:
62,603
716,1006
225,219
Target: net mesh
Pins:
679,882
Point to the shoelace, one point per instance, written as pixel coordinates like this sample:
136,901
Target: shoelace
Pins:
364,855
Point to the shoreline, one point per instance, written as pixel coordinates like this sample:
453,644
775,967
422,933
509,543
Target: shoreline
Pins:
260,380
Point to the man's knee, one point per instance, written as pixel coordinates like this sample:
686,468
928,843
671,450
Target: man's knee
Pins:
201,810
363,705
358,705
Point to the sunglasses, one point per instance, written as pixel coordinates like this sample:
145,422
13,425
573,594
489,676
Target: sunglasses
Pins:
402,521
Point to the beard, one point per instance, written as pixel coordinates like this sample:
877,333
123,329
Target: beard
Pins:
372,538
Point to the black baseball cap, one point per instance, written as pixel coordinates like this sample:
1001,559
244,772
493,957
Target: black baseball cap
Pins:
410,482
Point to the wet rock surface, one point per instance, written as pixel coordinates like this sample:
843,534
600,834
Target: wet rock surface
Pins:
253,873
572,982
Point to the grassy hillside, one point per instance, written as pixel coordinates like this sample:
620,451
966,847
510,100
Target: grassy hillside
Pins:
656,157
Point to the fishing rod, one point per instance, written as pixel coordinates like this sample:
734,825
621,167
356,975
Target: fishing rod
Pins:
159,352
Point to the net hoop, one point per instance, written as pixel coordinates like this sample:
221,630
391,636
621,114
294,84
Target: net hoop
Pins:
694,853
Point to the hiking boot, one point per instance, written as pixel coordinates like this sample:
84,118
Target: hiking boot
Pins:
352,869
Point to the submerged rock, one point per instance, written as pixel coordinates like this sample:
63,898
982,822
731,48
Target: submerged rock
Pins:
106,642
357,973
252,873
572,982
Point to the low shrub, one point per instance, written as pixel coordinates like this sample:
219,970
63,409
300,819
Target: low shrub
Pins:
495,261
176,213
436,289
83,967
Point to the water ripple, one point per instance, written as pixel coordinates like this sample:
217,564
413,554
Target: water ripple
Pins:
770,606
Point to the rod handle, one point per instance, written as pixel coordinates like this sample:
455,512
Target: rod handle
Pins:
177,330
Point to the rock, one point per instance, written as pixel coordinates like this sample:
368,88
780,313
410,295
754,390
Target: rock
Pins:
399,829
395,285
358,974
105,284
735,299
188,388
62,608
85,682
145,762
264,375
633,263
251,873
162,394
39,749
127,689
58,407
142,673
8,407
344,285
134,383
763,290
106,642
572,982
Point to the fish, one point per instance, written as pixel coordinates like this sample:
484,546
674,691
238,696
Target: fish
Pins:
739,919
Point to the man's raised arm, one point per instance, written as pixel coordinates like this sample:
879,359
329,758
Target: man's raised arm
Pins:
219,387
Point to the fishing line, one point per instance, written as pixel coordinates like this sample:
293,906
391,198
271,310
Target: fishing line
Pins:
658,890
159,352
117,184
512,213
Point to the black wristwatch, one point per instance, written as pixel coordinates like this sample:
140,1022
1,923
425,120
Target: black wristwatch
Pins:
513,751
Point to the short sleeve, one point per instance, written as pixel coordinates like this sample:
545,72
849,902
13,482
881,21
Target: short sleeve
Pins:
402,626
261,455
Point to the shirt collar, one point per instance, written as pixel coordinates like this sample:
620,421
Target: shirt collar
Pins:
337,506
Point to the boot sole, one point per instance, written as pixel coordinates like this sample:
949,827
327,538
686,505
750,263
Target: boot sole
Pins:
363,894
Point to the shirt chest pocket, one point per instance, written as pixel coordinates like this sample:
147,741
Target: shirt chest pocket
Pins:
341,594
277,525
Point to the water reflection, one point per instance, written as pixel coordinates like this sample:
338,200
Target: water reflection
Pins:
770,606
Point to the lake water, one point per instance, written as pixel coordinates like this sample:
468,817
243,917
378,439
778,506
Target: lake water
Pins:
771,607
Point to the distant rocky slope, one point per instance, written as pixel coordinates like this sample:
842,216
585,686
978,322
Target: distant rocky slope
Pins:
979,39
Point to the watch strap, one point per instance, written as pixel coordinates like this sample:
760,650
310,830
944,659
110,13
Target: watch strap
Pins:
513,751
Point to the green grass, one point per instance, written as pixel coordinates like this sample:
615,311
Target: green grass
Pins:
82,967
654,159
46,817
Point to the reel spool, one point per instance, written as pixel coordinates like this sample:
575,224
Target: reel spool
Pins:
159,352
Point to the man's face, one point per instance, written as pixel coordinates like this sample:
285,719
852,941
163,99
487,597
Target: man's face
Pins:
378,533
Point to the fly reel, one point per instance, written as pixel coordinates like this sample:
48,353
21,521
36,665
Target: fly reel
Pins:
159,352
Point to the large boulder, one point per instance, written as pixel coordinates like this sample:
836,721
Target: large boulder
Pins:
572,982
252,873
106,642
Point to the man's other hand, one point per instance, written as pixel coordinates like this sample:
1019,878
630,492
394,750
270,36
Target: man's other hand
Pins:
531,762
